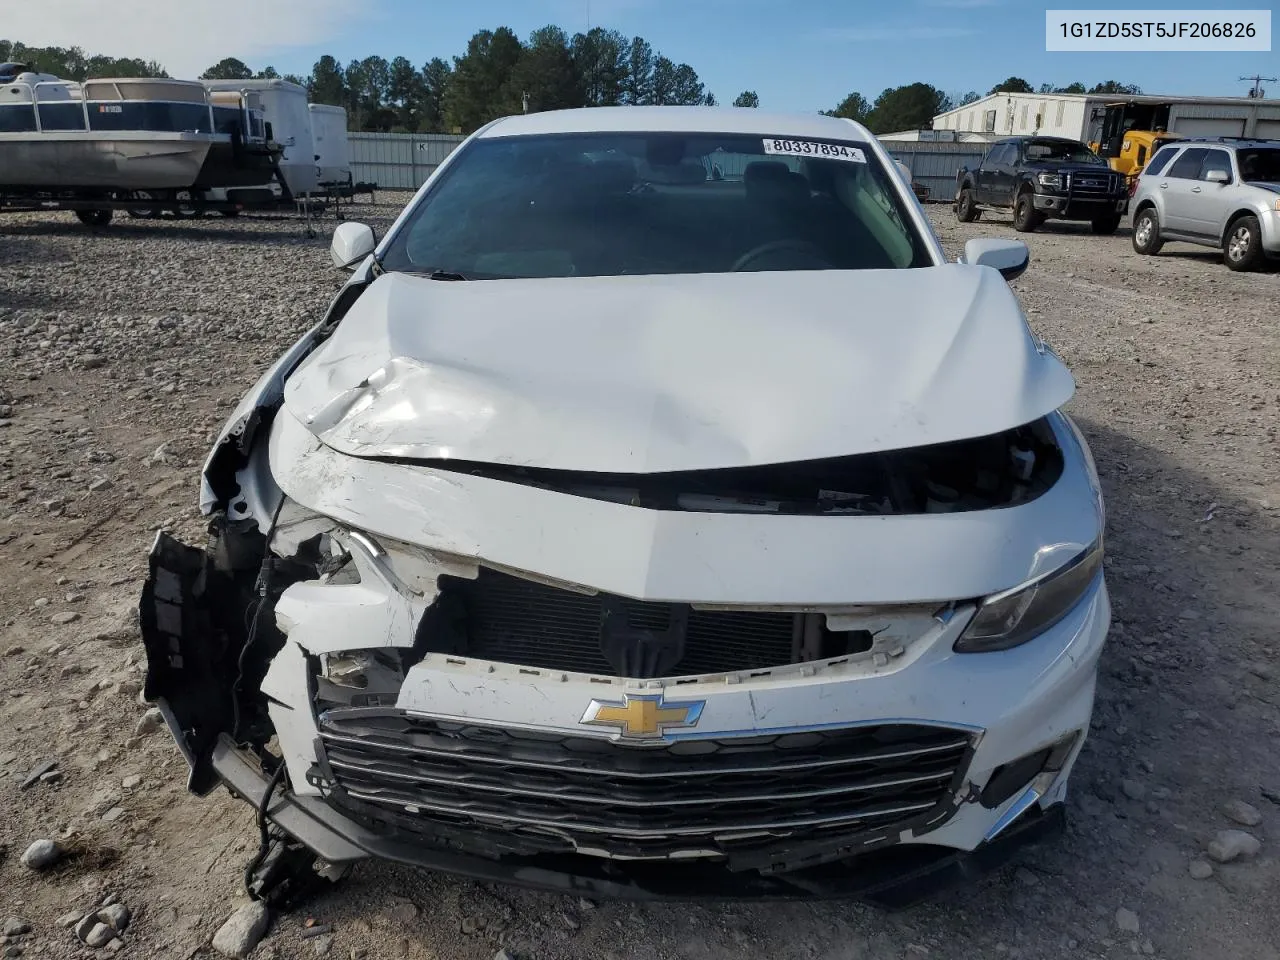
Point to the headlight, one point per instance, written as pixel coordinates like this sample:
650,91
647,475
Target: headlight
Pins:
1052,180
1012,618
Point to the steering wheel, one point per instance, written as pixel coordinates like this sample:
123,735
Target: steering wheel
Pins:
802,247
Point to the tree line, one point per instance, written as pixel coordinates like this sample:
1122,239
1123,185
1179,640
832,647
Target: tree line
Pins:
499,74
914,105
72,63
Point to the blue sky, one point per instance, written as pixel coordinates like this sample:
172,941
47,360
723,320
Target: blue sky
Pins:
797,54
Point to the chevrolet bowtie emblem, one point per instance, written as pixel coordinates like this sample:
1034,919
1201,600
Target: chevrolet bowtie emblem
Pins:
643,717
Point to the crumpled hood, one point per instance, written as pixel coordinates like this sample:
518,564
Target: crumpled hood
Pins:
661,373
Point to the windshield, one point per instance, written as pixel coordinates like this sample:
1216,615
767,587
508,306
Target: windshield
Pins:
1261,164
1061,152
615,204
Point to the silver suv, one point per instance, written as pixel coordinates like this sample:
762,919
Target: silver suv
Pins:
1218,192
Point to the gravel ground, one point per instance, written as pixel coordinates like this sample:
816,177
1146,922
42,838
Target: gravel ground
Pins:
121,351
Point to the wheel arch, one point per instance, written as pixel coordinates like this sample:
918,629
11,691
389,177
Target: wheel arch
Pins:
1231,221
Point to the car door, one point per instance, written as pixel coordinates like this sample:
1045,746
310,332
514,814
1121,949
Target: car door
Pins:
988,175
1207,201
1175,189
999,178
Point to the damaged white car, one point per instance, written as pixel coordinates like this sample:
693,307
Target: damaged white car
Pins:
655,513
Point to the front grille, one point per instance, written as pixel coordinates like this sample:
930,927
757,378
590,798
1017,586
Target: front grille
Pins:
512,620
714,797
1094,184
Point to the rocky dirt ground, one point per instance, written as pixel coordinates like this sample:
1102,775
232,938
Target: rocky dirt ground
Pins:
122,350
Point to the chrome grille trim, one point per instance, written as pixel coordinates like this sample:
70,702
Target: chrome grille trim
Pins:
570,796
729,830
733,795
960,742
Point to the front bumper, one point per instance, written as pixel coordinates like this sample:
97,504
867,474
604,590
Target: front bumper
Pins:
1013,704
1066,207
895,878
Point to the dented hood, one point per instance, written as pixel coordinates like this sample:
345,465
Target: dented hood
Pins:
660,373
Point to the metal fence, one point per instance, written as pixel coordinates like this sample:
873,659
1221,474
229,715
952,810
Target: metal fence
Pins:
403,161
935,165
399,161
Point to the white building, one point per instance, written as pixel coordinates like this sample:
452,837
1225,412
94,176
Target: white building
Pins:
938,136
1079,116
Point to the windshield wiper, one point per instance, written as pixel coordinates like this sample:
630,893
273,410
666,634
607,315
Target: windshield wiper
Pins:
435,273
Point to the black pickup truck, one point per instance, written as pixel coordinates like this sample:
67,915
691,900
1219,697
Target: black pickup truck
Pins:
1042,178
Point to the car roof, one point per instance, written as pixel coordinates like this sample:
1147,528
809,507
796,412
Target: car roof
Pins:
676,120
1238,142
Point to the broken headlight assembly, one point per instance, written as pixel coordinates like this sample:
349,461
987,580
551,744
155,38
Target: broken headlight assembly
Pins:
1010,619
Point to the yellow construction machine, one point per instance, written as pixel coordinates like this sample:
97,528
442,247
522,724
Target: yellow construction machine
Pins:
1128,133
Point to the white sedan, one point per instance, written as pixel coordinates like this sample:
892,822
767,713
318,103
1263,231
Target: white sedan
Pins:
655,512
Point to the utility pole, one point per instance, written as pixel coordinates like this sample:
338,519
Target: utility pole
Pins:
1257,93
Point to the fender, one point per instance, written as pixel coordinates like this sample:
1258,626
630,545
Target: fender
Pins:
230,454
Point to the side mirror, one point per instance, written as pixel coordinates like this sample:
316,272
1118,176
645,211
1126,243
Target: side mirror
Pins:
1010,257
352,242
1217,176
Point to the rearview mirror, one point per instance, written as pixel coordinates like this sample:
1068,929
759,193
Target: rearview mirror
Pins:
1010,257
352,242
1217,176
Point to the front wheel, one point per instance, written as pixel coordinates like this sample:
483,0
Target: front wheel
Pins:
1025,217
966,210
1242,248
1105,226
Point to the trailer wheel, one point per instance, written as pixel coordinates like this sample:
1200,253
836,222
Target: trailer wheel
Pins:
187,204
94,218
144,213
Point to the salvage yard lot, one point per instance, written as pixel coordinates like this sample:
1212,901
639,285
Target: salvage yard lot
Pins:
123,350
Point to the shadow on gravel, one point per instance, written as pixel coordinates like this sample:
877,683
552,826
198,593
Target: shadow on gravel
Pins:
1173,688
281,231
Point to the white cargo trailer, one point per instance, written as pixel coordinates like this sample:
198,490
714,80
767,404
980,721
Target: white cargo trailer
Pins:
284,106
333,152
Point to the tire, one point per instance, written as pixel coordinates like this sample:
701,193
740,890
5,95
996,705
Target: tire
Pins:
94,218
230,213
1146,232
145,213
1242,246
1105,226
1025,217
187,204
966,210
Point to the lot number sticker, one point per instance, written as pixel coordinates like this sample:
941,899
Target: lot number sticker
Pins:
807,148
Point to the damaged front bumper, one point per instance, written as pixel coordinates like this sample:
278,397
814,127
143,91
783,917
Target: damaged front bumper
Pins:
893,878
494,771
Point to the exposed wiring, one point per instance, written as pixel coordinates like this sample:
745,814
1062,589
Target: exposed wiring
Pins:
265,576
264,837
